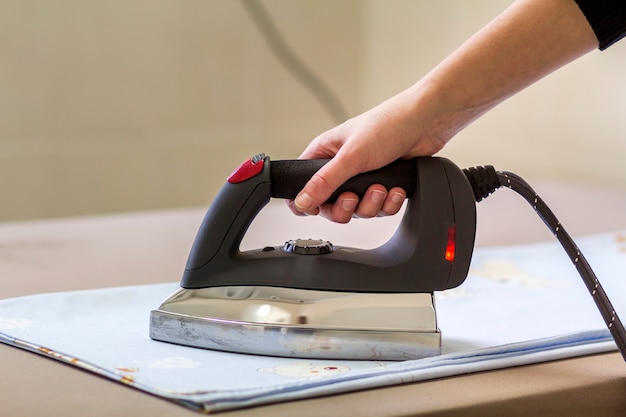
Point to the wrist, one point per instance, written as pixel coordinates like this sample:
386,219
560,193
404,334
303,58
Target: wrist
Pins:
439,111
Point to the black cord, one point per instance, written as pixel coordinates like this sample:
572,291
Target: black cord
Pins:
485,180
292,63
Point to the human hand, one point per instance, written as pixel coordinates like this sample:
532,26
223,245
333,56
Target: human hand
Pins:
370,141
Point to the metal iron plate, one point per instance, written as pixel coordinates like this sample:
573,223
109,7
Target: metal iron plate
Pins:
300,323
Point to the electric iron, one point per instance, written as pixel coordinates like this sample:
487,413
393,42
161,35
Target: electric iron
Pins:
309,298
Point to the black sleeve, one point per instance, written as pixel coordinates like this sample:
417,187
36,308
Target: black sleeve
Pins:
607,19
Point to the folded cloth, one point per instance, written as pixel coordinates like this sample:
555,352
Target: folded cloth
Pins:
519,305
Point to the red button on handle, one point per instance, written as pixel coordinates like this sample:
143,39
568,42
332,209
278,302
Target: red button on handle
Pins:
247,170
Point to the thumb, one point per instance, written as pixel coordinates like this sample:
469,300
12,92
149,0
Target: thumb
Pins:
322,184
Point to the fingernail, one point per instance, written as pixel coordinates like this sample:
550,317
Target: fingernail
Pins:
349,204
397,197
303,201
378,196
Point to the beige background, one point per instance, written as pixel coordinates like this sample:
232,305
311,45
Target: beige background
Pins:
109,106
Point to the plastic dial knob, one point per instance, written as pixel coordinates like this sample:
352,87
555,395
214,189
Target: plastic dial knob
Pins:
308,246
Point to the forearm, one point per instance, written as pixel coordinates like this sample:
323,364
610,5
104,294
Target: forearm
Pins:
525,43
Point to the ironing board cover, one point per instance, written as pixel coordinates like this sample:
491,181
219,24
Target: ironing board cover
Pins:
519,305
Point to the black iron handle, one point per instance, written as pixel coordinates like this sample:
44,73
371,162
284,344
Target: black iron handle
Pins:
288,177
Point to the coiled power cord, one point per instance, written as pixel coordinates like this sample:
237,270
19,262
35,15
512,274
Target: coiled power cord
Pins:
485,180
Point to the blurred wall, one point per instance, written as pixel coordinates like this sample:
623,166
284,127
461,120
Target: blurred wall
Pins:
110,106
122,105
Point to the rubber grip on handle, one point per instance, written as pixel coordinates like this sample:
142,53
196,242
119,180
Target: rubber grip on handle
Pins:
288,177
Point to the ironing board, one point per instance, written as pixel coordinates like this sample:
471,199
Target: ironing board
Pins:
146,248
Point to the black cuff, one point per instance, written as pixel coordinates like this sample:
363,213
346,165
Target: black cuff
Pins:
607,19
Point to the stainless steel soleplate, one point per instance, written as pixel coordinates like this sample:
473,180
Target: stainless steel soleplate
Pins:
300,323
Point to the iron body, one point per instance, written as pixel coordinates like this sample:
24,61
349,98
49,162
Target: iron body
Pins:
310,299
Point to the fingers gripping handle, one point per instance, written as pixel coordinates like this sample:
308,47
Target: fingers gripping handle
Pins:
288,177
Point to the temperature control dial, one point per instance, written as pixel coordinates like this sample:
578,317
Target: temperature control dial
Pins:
308,246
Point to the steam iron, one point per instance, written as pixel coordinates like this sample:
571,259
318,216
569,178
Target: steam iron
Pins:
310,298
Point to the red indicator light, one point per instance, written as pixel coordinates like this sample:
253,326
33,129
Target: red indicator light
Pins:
451,246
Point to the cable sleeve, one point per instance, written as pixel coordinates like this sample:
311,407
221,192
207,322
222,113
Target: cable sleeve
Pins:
483,179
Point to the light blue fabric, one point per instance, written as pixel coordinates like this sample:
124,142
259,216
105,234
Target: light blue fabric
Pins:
519,305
